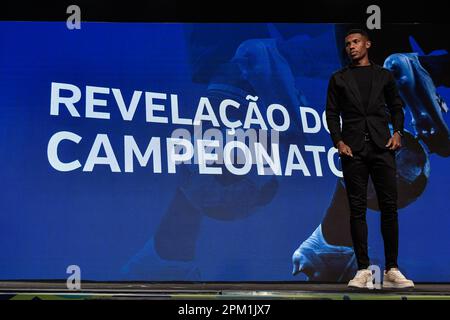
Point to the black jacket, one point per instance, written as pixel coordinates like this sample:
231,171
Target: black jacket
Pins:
343,99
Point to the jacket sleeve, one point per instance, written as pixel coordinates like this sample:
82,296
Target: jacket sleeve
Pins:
394,103
333,112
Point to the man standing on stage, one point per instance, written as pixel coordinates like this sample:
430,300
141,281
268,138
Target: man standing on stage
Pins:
365,95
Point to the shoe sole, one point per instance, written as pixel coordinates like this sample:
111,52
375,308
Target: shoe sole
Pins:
366,287
391,285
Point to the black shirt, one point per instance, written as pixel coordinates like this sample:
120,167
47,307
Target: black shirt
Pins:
363,77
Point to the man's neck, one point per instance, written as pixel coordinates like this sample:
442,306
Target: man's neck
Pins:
361,62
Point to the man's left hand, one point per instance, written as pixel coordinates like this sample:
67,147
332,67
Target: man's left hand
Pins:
395,142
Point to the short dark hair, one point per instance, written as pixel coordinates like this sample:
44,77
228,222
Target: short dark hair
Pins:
360,31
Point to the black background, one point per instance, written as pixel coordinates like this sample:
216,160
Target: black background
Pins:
337,11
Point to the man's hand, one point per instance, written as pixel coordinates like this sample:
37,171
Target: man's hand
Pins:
394,142
344,149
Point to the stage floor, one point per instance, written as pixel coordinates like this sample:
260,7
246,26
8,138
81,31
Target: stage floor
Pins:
26,290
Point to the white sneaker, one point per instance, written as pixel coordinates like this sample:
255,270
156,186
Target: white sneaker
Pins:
362,280
394,279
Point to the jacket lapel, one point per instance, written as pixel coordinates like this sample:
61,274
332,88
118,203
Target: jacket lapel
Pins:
377,85
353,87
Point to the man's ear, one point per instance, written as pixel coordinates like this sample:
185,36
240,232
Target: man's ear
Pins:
368,44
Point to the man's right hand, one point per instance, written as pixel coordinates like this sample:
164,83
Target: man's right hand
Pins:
344,149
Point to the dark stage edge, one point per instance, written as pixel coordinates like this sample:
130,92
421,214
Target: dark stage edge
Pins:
29,290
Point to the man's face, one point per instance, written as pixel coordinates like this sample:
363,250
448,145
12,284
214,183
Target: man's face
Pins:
356,46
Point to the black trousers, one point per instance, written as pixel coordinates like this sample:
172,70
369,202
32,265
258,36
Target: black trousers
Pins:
381,166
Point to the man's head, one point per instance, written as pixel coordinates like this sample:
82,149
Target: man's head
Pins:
357,43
